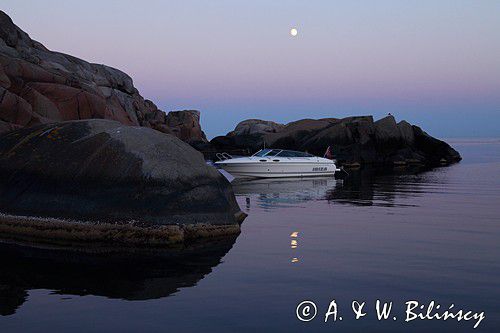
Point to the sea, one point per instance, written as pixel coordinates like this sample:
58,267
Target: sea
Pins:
314,255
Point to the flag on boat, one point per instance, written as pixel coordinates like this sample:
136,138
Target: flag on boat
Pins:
328,153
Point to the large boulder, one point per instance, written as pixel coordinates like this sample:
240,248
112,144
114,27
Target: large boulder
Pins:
98,180
40,86
256,126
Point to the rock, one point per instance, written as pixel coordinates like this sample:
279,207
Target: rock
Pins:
256,126
186,125
6,127
247,142
49,86
435,151
406,131
15,110
296,131
104,181
39,86
386,129
350,138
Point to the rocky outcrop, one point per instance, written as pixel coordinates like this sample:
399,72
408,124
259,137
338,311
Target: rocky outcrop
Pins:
256,126
40,86
98,180
354,140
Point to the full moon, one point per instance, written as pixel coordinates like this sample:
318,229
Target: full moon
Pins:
293,32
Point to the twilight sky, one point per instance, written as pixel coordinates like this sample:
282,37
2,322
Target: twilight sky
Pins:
433,63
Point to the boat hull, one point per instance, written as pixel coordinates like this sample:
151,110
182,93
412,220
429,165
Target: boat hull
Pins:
279,170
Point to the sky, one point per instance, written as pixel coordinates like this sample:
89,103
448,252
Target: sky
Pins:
433,63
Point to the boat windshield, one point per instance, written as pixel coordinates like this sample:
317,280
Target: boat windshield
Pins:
267,152
292,153
262,152
274,152
281,153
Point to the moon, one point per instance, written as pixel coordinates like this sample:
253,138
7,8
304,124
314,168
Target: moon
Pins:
293,32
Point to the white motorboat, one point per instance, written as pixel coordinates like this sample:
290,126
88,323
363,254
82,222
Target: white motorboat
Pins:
275,163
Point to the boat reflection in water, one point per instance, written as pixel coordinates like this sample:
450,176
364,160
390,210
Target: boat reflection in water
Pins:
126,276
277,192
365,187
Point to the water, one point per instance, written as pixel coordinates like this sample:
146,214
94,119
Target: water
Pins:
428,236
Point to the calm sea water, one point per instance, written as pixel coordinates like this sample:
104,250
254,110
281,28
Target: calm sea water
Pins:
432,235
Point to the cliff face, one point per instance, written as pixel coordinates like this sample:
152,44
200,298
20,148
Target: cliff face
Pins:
41,86
354,140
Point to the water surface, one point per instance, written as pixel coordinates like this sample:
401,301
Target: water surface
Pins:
432,235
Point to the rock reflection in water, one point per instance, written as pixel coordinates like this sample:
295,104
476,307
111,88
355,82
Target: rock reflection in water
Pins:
377,187
364,187
126,276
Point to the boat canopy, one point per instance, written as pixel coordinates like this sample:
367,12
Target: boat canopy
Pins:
281,153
